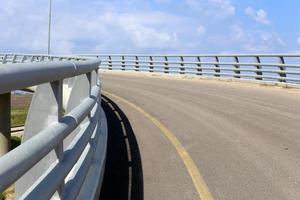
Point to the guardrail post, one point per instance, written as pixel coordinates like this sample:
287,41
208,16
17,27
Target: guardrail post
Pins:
32,58
282,69
57,87
182,65
14,59
199,69
23,59
166,69
89,77
258,67
4,59
137,63
5,110
217,66
110,63
123,63
151,64
237,67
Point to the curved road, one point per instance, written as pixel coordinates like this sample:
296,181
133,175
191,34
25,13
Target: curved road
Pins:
243,138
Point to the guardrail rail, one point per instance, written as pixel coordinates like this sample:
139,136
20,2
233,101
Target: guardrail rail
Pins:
273,68
63,148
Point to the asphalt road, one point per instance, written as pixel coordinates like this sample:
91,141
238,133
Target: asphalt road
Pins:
243,138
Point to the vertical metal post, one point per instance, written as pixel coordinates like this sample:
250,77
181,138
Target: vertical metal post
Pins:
4,59
14,59
237,67
57,87
282,69
217,67
23,59
137,66
151,64
49,25
110,63
182,65
4,123
123,63
166,70
199,69
89,77
258,67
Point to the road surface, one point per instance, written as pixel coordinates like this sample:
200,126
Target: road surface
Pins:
243,138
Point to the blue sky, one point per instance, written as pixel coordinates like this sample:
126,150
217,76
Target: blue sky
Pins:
154,26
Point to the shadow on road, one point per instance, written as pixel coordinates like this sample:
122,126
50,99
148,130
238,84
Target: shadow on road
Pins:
123,179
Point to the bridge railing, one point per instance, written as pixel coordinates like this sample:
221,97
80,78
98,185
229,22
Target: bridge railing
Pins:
275,68
28,58
63,148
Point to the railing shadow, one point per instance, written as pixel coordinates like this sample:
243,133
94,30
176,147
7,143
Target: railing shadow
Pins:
123,178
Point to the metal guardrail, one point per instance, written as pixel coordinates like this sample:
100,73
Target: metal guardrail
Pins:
275,68
63,148
6,58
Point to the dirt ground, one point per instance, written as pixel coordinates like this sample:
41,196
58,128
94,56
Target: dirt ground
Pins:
20,101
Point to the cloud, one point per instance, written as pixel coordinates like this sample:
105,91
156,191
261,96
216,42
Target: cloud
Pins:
134,26
214,8
163,1
105,31
237,32
201,30
298,40
263,41
259,16
112,31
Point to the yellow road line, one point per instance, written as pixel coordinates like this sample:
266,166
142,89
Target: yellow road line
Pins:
199,183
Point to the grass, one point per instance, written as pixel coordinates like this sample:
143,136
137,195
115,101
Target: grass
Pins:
2,196
15,141
18,116
9,194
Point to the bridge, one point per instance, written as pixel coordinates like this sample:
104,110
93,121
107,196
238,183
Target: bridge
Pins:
165,126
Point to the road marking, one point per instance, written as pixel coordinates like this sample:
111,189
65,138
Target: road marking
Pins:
199,183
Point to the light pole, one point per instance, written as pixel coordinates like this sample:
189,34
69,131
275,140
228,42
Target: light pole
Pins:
49,25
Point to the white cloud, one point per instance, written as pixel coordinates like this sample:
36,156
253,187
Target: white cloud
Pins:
163,1
263,41
298,40
259,16
111,31
108,31
201,29
215,8
115,26
237,32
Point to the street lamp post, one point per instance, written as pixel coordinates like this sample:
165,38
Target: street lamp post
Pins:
49,25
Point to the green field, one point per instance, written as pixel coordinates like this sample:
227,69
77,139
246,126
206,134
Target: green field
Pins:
2,196
18,116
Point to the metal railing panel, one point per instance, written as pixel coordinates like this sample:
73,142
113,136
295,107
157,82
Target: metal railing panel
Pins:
47,185
15,163
275,68
51,71
37,73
